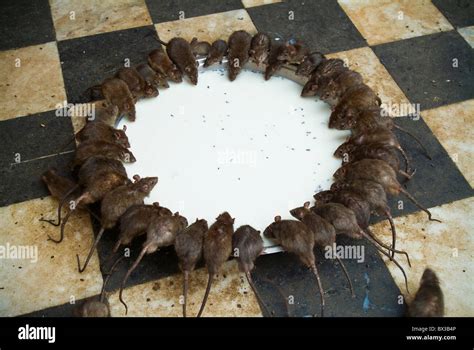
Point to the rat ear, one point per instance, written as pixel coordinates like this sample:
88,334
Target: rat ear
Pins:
233,220
176,214
306,205
124,128
136,177
277,218
197,220
156,204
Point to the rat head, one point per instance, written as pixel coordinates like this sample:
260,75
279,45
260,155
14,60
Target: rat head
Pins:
344,149
50,175
144,185
201,224
340,173
182,221
310,89
192,72
323,197
128,108
339,185
225,218
339,120
288,53
272,230
175,75
121,137
127,156
161,211
150,91
300,212
429,277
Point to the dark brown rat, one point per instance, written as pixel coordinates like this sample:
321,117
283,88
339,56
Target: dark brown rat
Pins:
310,62
324,233
98,131
429,299
295,237
238,55
104,112
115,203
273,63
137,85
117,93
247,245
323,73
217,248
188,247
260,47
217,52
333,91
181,53
160,62
200,48
293,53
154,78
111,150
97,176
161,232
378,171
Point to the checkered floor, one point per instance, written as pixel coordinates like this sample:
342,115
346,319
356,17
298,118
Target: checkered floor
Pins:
408,51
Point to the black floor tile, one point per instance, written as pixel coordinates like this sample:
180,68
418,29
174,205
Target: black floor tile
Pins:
35,136
459,12
24,23
282,275
323,25
423,68
22,182
164,11
89,60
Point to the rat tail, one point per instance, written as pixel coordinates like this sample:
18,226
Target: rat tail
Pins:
91,251
416,139
60,206
314,269
108,274
372,242
185,290
206,295
413,199
257,295
405,157
129,272
343,267
390,249
63,224
392,227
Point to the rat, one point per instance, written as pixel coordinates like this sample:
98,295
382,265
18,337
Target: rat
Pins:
324,72
295,237
293,52
160,233
273,63
217,52
333,91
429,299
181,53
115,203
98,131
135,221
247,246
324,233
97,176
200,48
137,85
104,112
161,63
310,62
188,246
238,55
154,78
380,136
117,93
378,171
217,248
91,148
344,221
260,47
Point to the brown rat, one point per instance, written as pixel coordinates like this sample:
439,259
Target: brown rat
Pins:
181,53
137,85
115,203
429,299
188,247
200,48
324,72
117,93
154,78
161,232
333,91
293,53
247,245
273,63
217,52
324,233
310,62
104,112
161,63
260,47
296,238
378,171
111,150
97,176
217,248
98,131
238,55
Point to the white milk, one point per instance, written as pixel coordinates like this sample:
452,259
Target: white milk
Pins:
251,147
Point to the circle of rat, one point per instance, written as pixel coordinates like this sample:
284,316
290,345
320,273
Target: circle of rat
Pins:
368,175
